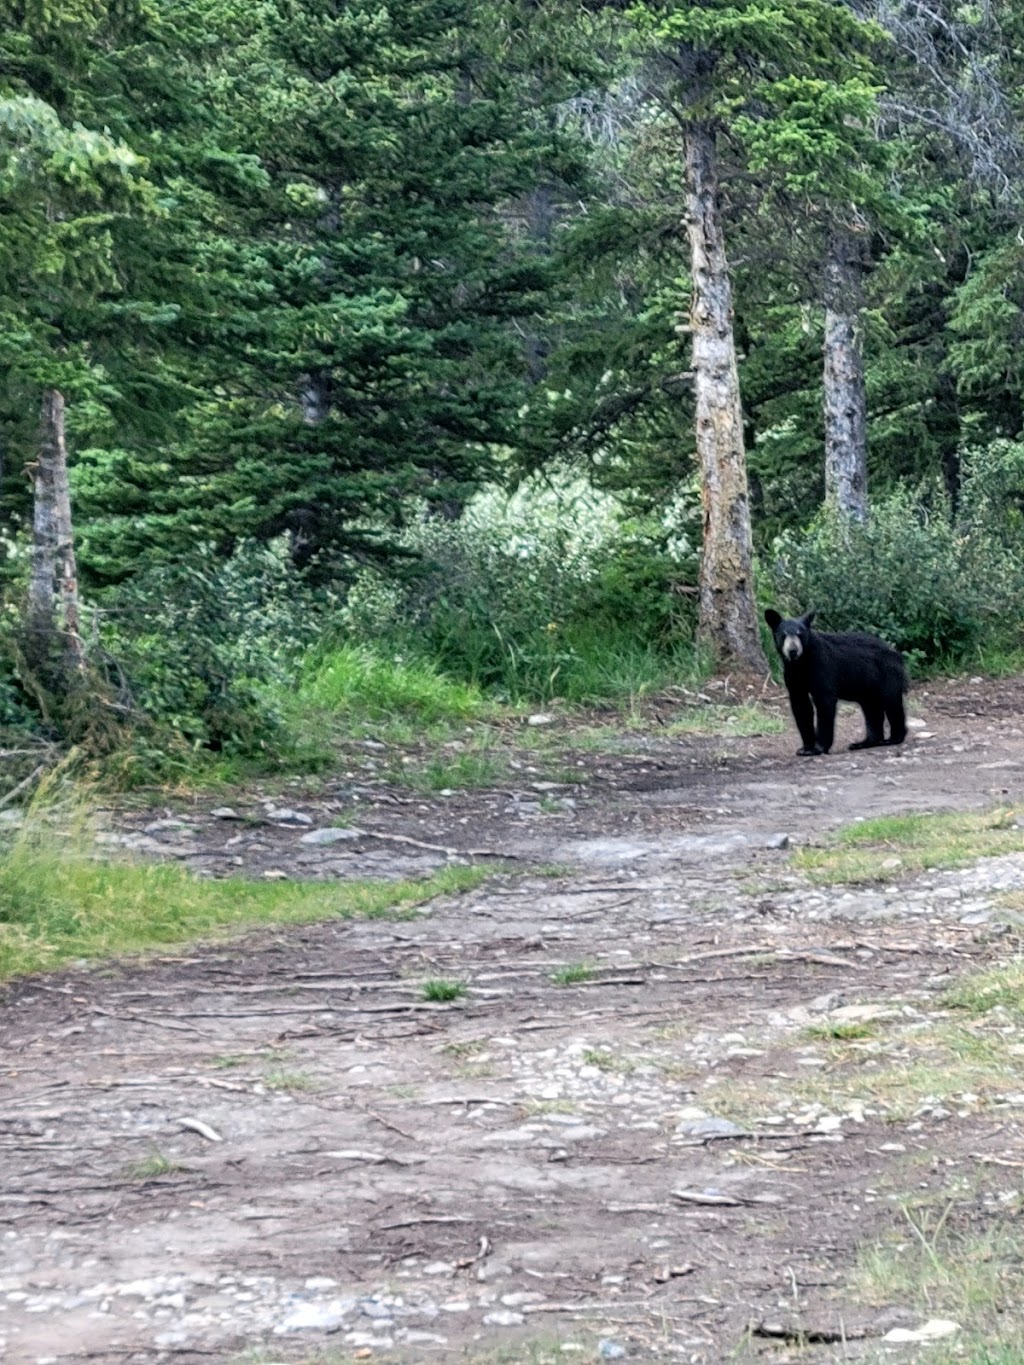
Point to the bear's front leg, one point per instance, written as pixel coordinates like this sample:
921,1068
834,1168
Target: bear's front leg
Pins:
826,722
803,714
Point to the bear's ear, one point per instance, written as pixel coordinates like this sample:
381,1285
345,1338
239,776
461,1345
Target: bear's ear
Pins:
773,618
807,618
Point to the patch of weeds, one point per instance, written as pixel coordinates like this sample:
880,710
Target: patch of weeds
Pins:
743,720
1002,987
877,850
552,870
58,902
226,1061
290,1082
949,1266
441,992
944,1064
542,1351
572,974
467,1048
606,1060
535,1108
154,1166
839,1032
475,768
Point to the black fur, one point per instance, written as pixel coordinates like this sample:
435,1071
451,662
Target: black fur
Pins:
822,669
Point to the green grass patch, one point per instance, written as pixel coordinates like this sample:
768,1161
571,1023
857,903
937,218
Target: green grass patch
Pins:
290,1082
899,845
154,1166
1000,987
355,682
475,768
723,721
572,974
840,1033
56,906
443,991
948,1264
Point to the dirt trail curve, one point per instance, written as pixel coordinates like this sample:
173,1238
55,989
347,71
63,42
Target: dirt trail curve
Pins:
581,1158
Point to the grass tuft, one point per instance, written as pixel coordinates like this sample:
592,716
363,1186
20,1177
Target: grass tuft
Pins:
572,974
443,991
153,1167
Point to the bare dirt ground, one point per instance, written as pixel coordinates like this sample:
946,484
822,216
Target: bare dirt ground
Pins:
630,1138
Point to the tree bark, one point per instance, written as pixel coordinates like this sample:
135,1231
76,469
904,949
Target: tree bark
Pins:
53,617
845,400
727,621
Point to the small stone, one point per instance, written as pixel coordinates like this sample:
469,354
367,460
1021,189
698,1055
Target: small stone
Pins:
225,813
275,874
541,718
503,1318
289,817
860,1014
611,1350
329,836
317,1317
933,1330
777,841
370,1308
699,1129
320,1282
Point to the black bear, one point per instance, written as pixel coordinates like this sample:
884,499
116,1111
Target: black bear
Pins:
821,670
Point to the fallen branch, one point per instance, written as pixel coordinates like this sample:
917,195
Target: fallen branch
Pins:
428,1218
203,1129
432,848
374,1158
23,785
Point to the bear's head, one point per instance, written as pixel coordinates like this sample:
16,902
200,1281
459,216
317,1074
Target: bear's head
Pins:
792,635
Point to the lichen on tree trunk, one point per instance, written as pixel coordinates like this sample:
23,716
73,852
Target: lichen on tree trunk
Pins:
53,628
728,618
845,401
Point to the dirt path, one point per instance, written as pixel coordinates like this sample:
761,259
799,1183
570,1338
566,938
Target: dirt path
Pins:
632,1138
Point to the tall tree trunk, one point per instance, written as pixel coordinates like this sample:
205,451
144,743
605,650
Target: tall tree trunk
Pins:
53,620
845,401
728,618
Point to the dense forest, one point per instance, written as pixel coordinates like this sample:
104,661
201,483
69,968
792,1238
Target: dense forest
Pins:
538,344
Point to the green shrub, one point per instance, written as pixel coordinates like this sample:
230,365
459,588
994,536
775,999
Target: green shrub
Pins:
196,648
937,590
548,592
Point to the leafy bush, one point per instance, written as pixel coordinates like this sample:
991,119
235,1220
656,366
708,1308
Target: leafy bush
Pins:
549,591
937,590
197,647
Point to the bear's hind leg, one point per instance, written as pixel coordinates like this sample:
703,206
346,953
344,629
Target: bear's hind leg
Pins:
874,721
897,719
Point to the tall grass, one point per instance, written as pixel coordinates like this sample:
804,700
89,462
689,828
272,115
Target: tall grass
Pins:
353,681
58,905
